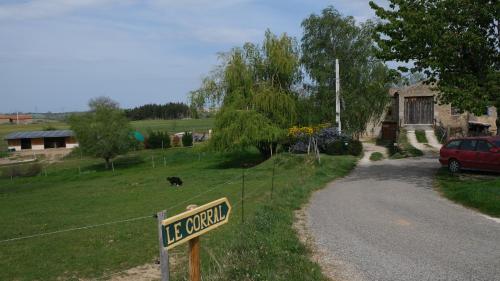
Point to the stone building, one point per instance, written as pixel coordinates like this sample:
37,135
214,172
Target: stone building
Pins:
416,107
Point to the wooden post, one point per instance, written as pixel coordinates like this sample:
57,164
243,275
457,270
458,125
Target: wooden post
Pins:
113,166
163,251
153,161
194,255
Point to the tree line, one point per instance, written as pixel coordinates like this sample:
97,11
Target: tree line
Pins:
169,110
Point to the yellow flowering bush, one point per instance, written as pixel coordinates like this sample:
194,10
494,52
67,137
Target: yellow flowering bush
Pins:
296,131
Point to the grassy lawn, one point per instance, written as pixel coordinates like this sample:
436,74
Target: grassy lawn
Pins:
471,190
264,247
421,138
376,156
404,148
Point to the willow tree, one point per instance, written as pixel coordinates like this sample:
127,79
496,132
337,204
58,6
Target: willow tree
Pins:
254,91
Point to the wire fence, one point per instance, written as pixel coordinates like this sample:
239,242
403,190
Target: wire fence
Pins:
248,192
170,208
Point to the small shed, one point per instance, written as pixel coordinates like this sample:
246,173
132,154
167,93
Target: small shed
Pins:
40,140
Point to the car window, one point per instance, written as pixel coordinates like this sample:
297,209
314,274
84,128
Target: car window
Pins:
453,144
468,145
484,146
497,143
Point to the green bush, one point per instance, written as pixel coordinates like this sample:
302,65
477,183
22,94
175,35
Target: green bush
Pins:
26,170
342,147
337,147
187,139
376,156
158,140
355,147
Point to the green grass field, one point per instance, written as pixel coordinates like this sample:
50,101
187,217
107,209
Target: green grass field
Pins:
265,247
174,126
471,190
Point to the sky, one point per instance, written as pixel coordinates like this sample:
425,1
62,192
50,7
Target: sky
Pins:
55,55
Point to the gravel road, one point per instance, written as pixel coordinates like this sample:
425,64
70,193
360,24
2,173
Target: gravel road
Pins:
386,222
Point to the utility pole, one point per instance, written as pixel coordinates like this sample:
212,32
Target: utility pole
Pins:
17,118
337,96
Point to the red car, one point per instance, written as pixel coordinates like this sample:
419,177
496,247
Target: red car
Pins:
474,153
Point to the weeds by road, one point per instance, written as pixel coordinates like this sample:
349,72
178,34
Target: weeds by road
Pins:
472,189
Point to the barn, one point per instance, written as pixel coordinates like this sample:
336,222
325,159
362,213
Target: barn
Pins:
40,140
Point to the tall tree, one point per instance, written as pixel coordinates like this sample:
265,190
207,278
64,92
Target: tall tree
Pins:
364,80
104,131
254,88
454,42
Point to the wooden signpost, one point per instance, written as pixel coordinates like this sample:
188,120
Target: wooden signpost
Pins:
188,226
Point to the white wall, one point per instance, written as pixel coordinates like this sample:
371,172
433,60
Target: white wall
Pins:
37,147
71,145
16,147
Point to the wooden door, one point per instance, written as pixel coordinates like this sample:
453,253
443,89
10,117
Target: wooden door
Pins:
419,110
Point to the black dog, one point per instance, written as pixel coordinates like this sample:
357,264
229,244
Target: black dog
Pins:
174,181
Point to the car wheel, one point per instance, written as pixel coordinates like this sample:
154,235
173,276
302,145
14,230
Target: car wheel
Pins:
454,166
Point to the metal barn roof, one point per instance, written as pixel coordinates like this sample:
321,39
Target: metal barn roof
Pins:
39,134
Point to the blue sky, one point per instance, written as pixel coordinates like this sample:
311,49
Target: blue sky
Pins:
57,54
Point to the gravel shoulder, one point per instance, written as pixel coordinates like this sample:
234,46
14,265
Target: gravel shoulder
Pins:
385,221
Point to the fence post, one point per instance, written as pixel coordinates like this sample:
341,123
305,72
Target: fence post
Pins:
243,195
153,161
113,166
163,251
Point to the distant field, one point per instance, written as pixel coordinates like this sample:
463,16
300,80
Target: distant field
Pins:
175,126
265,247
171,126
